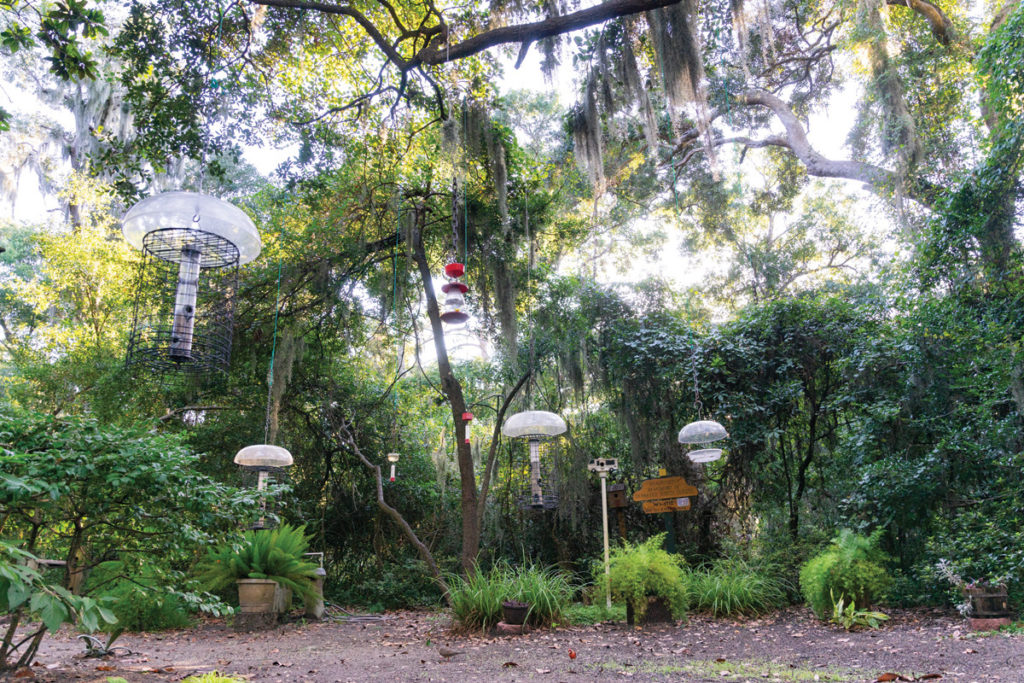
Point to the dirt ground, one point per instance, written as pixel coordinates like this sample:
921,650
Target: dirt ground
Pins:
786,646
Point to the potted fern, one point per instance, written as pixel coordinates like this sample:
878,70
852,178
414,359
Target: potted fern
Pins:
649,580
264,564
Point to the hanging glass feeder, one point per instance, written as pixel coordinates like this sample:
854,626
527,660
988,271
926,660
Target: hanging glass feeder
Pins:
535,425
393,459
703,432
454,301
193,245
268,462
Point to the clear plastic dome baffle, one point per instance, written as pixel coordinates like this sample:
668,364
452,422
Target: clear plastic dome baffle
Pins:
702,431
263,455
704,455
184,210
533,424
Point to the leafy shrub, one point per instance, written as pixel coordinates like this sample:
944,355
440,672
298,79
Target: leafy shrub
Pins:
476,598
275,554
735,586
851,566
645,570
138,602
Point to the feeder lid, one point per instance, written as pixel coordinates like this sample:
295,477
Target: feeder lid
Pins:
263,455
467,416
533,424
705,455
702,431
392,457
454,269
177,210
448,286
454,317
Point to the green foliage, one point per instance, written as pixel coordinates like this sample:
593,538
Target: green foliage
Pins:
140,601
213,677
851,617
395,585
476,598
22,589
646,570
275,554
851,566
583,615
735,586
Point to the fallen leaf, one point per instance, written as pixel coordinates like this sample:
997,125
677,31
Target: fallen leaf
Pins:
24,672
929,677
720,660
572,653
105,668
543,671
887,677
508,665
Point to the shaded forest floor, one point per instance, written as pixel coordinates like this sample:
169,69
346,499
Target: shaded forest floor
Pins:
789,645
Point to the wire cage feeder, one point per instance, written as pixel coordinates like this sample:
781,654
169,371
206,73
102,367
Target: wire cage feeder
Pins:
540,491
540,482
192,247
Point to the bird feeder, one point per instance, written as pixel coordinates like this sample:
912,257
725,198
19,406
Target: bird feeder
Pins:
535,426
454,295
193,245
268,462
393,459
703,432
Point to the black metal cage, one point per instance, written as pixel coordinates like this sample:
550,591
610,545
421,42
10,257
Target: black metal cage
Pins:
184,302
539,482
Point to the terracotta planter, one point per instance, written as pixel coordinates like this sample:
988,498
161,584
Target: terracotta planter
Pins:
514,613
256,596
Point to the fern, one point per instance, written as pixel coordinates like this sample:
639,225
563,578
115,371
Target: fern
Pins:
275,554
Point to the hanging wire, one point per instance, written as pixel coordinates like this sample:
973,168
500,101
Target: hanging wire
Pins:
273,352
394,310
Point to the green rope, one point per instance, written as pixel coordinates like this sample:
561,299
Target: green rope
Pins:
273,353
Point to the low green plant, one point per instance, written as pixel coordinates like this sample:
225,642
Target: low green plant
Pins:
852,566
213,677
476,598
735,586
275,554
850,617
582,615
645,570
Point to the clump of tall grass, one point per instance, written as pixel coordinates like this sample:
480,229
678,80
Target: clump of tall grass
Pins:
476,598
735,586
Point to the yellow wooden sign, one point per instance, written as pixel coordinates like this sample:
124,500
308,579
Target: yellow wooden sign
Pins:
664,487
670,505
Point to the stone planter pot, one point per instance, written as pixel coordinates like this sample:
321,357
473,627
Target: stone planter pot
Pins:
514,613
282,599
256,596
658,612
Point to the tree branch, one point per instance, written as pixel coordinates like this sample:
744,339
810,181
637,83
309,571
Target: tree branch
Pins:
881,180
492,452
942,27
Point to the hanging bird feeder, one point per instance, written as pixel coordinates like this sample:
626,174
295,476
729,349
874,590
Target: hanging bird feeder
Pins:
269,463
455,270
703,432
535,425
454,301
393,459
193,245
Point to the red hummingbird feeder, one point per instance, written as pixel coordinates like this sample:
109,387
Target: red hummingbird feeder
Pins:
454,295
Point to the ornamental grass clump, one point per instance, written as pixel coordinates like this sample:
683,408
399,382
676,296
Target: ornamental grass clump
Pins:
853,566
476,598
735,586
275,554
643,571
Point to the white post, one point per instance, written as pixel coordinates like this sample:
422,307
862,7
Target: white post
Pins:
604,520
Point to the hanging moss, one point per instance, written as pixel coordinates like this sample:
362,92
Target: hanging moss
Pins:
586,133
505,298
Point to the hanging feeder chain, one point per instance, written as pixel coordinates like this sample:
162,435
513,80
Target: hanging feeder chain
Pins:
273,352
697,404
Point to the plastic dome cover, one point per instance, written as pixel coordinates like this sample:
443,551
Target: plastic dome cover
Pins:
454,299
702,431
705,455
177,210
533,424
263,455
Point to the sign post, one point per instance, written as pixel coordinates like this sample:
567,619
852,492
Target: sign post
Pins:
665,495
603,466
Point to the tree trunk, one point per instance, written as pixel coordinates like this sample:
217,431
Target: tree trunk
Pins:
452,388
